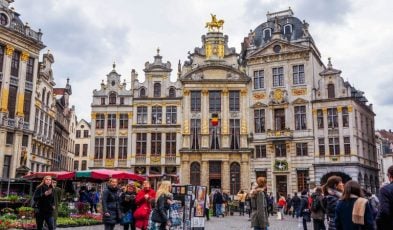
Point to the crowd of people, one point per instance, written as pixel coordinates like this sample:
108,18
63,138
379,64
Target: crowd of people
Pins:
333,206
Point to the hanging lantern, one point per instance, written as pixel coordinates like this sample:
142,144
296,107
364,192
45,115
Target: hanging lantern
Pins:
214,120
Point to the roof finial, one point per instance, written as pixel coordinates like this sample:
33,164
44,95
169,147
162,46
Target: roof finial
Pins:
68,80
114,64
330,63
158,50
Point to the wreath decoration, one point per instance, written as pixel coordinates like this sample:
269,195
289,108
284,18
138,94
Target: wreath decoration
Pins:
281,165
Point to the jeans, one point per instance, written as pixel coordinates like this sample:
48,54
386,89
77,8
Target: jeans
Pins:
41,217
93,207
207,214
304,224
319,224
241,208
296,212
219,210
109,227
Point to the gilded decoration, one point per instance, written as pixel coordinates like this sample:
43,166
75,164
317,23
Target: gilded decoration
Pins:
339,109
37,103
123,132
243,92
278,96
93,115
214,24
299,92
324,110
110,163
155,159
243,129
205,92
25,56
9,50
19,107
186,129
350,109
99,132
4,100
280,57
259,96
130,114
225,92
208,50
186,92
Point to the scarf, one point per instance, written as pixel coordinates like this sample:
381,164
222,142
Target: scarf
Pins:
359,209
334,192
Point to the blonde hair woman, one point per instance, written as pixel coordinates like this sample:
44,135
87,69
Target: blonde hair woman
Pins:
44,202
164,199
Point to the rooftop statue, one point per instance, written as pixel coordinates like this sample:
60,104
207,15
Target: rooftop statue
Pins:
214,23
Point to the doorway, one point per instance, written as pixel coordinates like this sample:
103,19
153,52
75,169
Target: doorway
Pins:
214,184
281,186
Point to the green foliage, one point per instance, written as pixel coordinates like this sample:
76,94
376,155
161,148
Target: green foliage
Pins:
64,210
7,210
9,216
12,198
25,209
65,221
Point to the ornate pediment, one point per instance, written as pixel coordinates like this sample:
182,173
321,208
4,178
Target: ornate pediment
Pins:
258,105
282,48
299,101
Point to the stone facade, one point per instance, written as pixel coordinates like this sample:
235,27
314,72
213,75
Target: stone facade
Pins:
215,150
19,53
298,108
45,113
384,140
82,145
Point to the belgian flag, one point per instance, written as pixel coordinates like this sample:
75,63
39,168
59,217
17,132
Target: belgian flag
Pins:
214,120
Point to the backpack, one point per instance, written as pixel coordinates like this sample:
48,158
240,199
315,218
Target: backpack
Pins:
315,204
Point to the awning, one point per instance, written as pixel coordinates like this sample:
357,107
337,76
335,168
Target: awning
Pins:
60,175
106,174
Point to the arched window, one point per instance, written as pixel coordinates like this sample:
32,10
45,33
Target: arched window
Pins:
235,178
112,98
195,173
157,90
142,92
331,93
267,33
172,92
287,29
48,98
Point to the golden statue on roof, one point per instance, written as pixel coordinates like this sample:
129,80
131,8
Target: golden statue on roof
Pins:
214,23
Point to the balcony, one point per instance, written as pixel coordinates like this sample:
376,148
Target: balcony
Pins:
140,159
155,159
170,160
122,163
11,123
279,135
26,125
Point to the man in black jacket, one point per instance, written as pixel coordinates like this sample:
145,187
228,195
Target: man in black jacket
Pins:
296,205
385,214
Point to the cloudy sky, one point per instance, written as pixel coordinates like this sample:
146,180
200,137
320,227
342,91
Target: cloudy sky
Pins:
86,36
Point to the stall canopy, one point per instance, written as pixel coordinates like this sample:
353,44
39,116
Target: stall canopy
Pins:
105,174
61,175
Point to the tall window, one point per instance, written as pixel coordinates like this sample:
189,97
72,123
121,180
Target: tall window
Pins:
156,144
1,58
195,133
99,148
195,101
345,117
278,76
267,33
331,91
123,121
172,92
110,148
260,151
235,178
84,150
142,92
170,144
29,70
12,101
279,119
141,115
85,133
259,120
78,134
320,118
9,140
102,100
298,74
234,101
123,148
195,173
7,166
347,146
302,176
100,121
156,115
26,105
259,79
25,141
171,114
214,132
334,146
157,89
76,165
77,149
280,149
112,98
214,101
141,143
15,64
301,149
332,118
37,114
287,31
321,145
111,124
234,126
121,100
300,117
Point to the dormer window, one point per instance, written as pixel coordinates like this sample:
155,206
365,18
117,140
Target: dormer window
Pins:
102,100
287,29
267,33
331,93
112,98
157,89
172,92
3,19
142,92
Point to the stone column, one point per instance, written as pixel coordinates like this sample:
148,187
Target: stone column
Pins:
185,171
205,118
244,175
130,142
244,118
186,119
225,176
204,173
9,50
21,84
225,120
92,139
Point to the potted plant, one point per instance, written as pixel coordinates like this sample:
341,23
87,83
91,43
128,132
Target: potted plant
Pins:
7,211
13,198
26,212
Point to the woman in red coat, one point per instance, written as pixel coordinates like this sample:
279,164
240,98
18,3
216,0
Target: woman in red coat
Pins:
143,199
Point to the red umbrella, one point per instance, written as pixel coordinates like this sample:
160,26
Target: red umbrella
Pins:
61,175
104,174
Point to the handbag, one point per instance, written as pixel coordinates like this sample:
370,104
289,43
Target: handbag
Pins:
126,218
156,216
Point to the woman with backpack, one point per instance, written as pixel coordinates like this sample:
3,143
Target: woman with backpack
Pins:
332,190
353,211
317,210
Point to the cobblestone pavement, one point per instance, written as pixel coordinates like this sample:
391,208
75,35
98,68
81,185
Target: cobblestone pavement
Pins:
229,222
